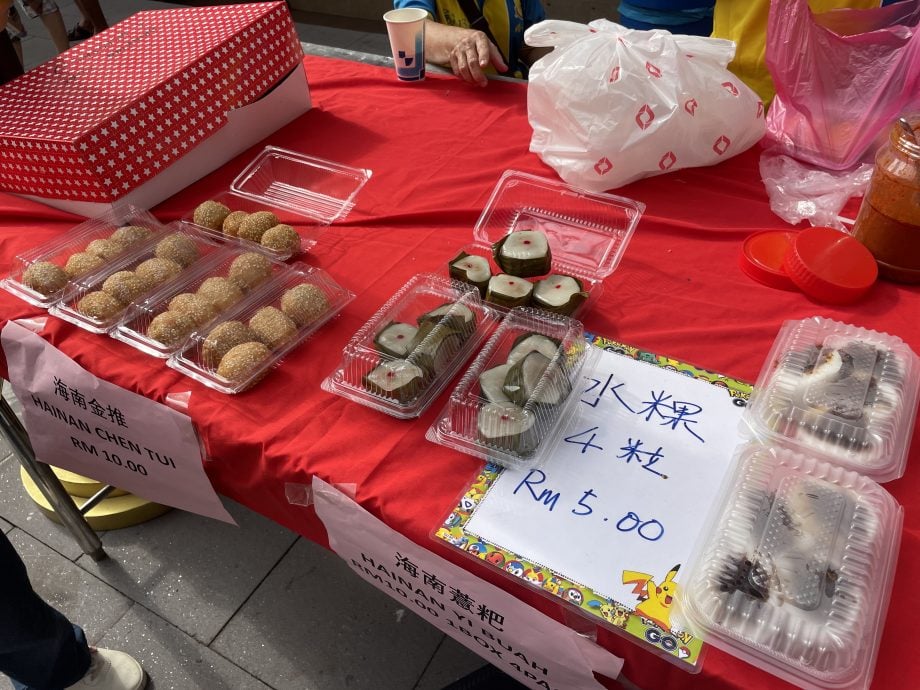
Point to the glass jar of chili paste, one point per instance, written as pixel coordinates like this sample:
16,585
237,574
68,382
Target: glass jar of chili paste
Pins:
889,218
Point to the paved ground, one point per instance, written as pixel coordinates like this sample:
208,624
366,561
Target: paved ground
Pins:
206,605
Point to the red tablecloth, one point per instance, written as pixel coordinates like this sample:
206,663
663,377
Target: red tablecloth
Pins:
437,149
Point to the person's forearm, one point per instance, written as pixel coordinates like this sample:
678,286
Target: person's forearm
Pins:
440,39
4,13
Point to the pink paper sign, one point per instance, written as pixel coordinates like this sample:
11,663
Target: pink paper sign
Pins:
84,424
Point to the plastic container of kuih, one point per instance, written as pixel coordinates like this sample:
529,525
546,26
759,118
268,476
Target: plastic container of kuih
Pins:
845,393
160,324
543,243
40,275
239,348
281,202
796,573
517,392
99,301
405,355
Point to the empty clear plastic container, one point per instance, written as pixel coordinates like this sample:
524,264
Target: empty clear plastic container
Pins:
246,341
309,186
845,393
41,275
796,573
160,324
586,232
405,354
99,301
517,392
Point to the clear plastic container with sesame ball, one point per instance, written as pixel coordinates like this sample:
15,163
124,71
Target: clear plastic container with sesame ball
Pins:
99,301
407,353
160,324
40,275
237,349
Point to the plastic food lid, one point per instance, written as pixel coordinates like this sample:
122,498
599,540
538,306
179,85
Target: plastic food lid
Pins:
762,258
830,265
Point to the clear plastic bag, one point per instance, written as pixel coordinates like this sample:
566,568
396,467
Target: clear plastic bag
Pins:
799,191
841,77
611,105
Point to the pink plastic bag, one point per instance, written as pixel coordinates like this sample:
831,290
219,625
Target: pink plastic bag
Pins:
841,78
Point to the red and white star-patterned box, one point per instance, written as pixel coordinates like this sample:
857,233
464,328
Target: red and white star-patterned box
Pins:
143,109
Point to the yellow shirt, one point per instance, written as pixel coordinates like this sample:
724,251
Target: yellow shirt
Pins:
745,23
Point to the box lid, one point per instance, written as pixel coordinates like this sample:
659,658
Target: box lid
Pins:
108,114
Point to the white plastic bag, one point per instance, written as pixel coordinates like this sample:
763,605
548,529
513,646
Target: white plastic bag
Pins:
611,105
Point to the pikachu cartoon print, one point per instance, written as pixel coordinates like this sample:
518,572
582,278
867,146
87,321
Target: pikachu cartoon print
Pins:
654,599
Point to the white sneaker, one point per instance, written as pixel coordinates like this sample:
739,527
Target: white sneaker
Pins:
112,670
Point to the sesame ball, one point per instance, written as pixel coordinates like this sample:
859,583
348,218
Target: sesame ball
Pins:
304,303
249,269
130,234
231,225
272,326
256,224
223,338
240,362
170,327
125,286
177,247
156,270
196,307
105,249
221,292
44,277
81,263
210,214
281,238
99,305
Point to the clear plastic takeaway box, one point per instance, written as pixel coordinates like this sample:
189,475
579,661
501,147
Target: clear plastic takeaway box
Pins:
587,234
40,275
517,392
845,393
795,575
160,324
286,188
405,354
99,301
240,347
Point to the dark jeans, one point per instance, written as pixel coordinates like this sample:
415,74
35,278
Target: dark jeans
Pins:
39,648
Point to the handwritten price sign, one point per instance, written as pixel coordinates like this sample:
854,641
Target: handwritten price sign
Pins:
631,483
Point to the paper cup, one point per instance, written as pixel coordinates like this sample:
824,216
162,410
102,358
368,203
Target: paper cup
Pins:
406,28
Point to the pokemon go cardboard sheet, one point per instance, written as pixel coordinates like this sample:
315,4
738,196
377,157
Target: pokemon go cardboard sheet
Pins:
609,523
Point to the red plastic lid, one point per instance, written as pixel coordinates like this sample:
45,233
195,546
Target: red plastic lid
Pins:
830,266
762,258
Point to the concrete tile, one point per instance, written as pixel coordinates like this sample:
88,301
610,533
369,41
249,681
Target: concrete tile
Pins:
84,599
328,35
451,662
5,526
192,571
16,507
376,44
172,659
315,624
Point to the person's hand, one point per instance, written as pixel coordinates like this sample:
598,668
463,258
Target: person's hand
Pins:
472,54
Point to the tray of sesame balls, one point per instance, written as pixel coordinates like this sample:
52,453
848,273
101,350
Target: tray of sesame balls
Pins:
235,350
42,275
